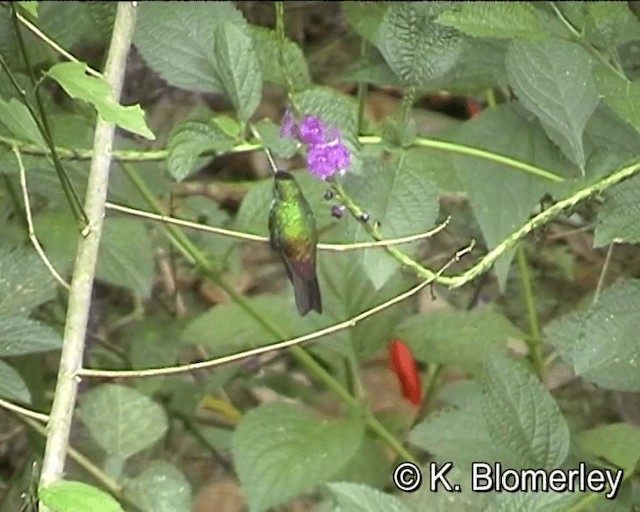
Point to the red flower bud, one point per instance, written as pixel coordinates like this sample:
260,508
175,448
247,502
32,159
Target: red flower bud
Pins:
404,366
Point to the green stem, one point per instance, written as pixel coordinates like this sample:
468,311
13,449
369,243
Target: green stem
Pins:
535,338
194,255
43,126
452,147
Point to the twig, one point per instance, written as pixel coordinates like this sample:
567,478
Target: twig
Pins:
603,273
340,326
30,228
23,411
258,238
86,258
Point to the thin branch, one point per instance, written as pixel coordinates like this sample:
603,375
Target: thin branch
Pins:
258,238
340,326
23,411
30,228
603,273
64,400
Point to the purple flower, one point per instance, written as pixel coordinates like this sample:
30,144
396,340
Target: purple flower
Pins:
326,153
312,130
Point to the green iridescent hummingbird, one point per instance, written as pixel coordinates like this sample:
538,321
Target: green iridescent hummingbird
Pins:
293,234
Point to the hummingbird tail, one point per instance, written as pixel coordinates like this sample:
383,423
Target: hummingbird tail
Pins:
307,293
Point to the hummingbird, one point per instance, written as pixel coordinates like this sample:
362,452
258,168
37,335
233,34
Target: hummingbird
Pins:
293,235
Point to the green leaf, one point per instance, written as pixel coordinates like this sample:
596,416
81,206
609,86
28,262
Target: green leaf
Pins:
460,435
119,262
123,263
463,338
621,95
17,119
619,217
537,501
188,140
20,335
365,17
178,41
238,68
479,67
281,147
30,7
522,416
122,420
399,194
504,20
70,496
281,451
159,488
362,498
503,198
12,385
553,80
609,24
230,328
24,282
414,45
77,84
267,47
601,343
348,291
617,443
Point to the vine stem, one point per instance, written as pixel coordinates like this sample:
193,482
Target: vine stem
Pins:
66,391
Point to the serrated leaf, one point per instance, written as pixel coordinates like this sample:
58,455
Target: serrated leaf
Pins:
19,335
463,338
161,487
122,420
480,66
460,435
77,84
70,496
15,116
238,68
400,195
267,47
281,451
621,95
119,262
12,385
230,328
503,198
414,45
618,443
24,282
353,497
178,41
188,140
601,342
533,501
522,416
553,80
504,20
619,217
